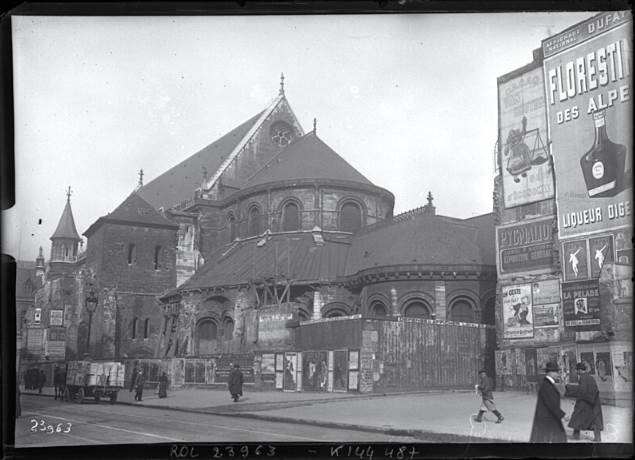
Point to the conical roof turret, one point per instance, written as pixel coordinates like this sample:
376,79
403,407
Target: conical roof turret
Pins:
66,226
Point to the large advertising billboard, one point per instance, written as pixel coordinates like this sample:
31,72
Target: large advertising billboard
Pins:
525,247
522,118
581,305
588,75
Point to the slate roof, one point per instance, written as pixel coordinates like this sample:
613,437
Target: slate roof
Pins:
66,226
134,210
297,257
422,239
178,183
308,157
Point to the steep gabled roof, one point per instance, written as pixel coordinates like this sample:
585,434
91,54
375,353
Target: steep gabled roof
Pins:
66,226
307,157
423,239
178,183
136,211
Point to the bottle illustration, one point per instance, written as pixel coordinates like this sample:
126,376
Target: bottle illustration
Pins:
603,165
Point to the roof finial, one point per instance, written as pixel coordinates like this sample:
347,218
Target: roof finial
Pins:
282,84
315,126
68,194
140,184
430,198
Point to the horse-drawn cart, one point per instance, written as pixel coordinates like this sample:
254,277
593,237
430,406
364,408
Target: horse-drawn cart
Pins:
99,380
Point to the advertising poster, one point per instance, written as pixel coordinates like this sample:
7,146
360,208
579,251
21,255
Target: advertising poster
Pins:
600,252
56,317
581,305
546,315
544,292
525,247
315,371
524,158
623,362
588,359
353,380
588,84
531,363
503,362
574,263
267,364
340,366
517,312
290,366
624,246
603,366
353,359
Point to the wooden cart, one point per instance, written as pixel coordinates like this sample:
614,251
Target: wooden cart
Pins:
85,379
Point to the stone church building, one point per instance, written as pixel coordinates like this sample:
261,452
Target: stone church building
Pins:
266,248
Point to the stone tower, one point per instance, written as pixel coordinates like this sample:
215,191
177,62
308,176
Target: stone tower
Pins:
65,240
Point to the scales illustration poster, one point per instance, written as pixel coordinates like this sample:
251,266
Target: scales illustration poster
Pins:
524,157
588,86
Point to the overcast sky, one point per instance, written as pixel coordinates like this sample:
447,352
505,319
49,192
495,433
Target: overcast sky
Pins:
409,100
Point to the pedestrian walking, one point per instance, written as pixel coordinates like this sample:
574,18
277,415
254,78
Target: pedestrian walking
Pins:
140,380
547,426
235,383
484,387
587,412
41,380
133,377
163,385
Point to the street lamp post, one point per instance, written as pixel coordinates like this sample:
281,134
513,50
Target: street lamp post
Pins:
91,306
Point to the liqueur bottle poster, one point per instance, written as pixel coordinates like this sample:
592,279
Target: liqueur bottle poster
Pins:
588,90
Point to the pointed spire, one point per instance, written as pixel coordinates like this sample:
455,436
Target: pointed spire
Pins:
39,262
315,126
430,198
429,208
66,226
140,184
281,84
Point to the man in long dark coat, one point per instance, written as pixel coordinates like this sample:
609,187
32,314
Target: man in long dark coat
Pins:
235,383
140,381
163,385
587,412
547,425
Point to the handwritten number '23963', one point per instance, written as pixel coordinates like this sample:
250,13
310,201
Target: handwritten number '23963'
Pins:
50,428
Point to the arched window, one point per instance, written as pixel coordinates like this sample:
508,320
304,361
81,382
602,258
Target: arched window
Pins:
157,254
350,217
228,329
231,223
132,254
333,314
378,309
290,217
462,311
417,309
134,328
253,224
303,315
207,333
146,328
65,251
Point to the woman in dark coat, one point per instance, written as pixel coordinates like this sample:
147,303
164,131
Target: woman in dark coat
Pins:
547,425
587,412
163,386
235,383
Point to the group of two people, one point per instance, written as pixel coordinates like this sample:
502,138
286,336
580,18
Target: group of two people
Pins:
138,381
547,425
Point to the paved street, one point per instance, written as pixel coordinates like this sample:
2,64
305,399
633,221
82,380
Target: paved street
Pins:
90,423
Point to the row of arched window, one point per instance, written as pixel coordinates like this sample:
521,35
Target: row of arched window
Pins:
460,310
350,219
209,331
132,256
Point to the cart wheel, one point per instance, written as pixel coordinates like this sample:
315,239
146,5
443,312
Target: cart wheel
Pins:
113,397
67,394
97,396
79,396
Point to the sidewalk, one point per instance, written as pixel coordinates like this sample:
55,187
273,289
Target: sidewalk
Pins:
414,414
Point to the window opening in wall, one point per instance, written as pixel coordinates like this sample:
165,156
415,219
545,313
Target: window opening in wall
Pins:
231,222
350,217
132,254
65,251
378,309
157,253
254,221
228,332
207,336
134,328
417,309
165,324
290,217
146,328
462,311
